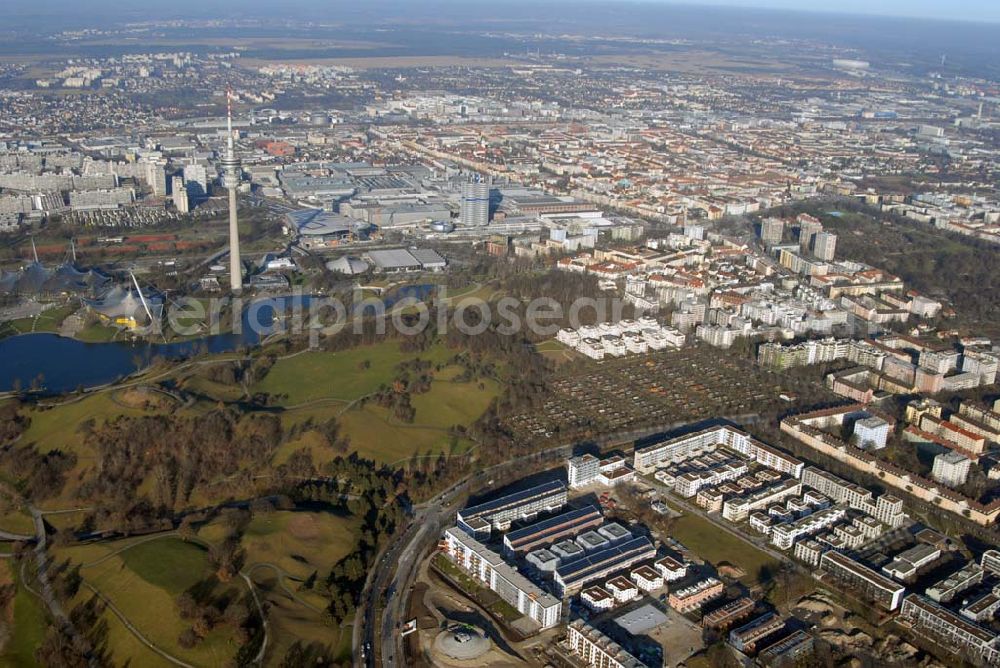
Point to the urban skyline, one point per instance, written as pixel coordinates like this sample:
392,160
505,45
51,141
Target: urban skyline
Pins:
521,334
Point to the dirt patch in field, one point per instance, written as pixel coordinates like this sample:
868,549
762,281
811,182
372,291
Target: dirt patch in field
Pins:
145,398
303,527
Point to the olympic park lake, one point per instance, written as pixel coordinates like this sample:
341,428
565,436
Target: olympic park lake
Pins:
65,364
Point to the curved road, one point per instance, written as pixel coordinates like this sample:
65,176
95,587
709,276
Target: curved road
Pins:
390,577
282,576
259,659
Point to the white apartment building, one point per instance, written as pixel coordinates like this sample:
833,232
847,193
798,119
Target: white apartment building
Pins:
673,336
620,338
646,577
739,508
719,336
113,198
613,345
949,588
951,468
809,551
871,433
982,364
655,339
991,561
489,568
761,522
940,361
688,484
570,337
597,598
196,181
623,589
635,343
593,648
672,570
825,246
179,195
886,509
592,348
950,629
676,450
582,470
783,536
501,512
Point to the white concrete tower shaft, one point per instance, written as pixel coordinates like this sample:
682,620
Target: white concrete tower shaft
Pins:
231,175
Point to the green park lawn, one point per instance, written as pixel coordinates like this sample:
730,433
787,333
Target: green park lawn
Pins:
168,563
557,352
29,624
47,321
143,581
716,546
299,543
126,647
57,428
213,390
374,433
313,376
97,333
450,403
17,521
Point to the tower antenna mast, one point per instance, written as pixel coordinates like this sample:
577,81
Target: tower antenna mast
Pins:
231,176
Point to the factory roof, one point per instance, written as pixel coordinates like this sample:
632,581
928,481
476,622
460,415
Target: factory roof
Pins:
316,222
553,524
641,620
396,258
602,560
347,265
427,256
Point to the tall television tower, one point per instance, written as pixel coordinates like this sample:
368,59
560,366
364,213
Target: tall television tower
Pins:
231,176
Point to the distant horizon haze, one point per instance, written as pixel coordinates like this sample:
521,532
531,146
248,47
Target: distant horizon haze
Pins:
985,11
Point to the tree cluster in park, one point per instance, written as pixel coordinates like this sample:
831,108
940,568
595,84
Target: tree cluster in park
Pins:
413,377
179,452
66,580
13,422
427,473
371,493
206,609
82,643
209,603
37,475
524,384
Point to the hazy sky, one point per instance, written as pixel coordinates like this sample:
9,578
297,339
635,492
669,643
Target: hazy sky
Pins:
960,10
